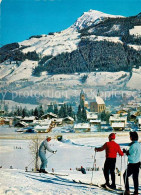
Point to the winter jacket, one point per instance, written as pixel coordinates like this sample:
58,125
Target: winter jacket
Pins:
45,146
111,148
134,152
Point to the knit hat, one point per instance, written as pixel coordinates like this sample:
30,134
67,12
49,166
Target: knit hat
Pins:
112,136
48,139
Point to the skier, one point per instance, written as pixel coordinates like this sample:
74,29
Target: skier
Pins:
134,163
42,154
111,148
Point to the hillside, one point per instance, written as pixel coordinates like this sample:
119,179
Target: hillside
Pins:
95,42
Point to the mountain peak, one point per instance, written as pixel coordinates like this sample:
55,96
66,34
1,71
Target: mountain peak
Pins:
91,17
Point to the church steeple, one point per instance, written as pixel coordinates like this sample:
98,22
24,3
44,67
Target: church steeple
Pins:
98,93
82,98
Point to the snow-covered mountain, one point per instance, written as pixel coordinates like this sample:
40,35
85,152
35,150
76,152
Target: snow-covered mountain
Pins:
97,50
92,17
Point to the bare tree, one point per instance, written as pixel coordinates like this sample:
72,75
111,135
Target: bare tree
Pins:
34,148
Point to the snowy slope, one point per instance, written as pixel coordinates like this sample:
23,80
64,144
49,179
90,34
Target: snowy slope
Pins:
17,182
136,47
135,31
91,17
135,81
24,71
64,41
68,41
104,38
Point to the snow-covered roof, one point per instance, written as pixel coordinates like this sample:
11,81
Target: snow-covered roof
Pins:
82,126
69,118
116,117
58,120
23,123
92,115
51,114
28,118
45,123
120,125
41,128
99,100
95,121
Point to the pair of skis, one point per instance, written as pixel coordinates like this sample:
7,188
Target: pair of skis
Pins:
115,191
50,173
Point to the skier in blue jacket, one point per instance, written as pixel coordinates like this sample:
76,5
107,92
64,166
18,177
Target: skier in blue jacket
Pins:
134,163
42,154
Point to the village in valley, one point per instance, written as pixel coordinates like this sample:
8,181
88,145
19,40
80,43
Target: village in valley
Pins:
94,116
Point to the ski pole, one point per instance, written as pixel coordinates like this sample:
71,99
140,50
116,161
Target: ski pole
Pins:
125,178
93,166
120,172
50,156
31,162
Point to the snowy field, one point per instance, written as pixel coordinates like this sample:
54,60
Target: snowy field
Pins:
75,151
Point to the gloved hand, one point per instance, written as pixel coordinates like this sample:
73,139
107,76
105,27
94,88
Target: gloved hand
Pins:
54,151
95,149
124,150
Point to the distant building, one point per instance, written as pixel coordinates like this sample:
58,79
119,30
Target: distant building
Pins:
43,122
98,105
68,120
8,121
118,126
2,112
92,116
49,115
82,100
42,129
29,119
21,124
58,121
95,122
123,112
2,122
82,127
118,122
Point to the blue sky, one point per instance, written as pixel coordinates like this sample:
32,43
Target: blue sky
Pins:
21,19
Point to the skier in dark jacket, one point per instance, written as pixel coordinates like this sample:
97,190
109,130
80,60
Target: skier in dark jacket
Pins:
111,148
83,170
42,154
133,153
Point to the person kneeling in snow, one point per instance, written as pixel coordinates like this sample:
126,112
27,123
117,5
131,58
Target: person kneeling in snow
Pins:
111,148
42,154
83,170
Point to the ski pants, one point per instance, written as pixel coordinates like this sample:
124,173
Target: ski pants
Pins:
43,158
109,167
132,169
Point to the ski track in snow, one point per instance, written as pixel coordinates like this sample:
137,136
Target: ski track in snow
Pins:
70,154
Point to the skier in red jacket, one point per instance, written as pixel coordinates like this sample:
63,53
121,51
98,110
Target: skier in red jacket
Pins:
111,148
